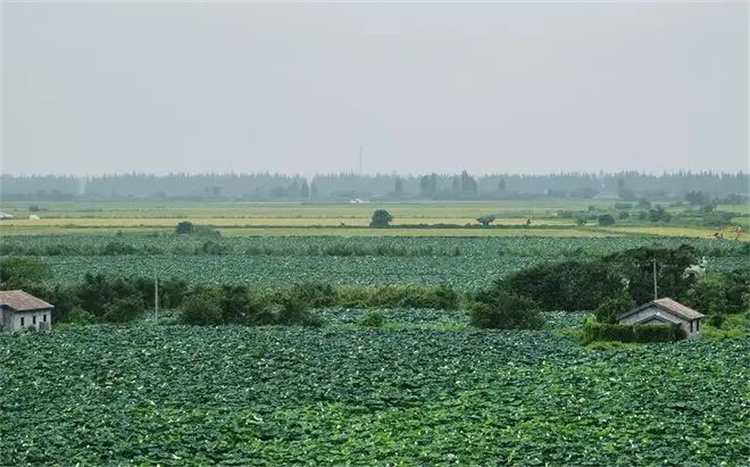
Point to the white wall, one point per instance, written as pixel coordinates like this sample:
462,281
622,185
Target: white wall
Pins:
13,320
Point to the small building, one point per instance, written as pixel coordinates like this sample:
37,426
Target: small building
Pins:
20,311
665,311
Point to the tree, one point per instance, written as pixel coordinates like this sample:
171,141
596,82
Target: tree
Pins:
486,220
624,192
304,190
606,220
381,218
581,221
501,310
636,267
202,309
185,227
428,184
468,184
697,198
23,272
501,185
399,185
610,307
124,309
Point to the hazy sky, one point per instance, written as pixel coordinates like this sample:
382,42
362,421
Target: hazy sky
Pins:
505,87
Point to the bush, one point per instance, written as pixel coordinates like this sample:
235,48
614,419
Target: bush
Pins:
505,311
716,320
79,316
21,273
381,218
645,333
294,312
624,215
621,206
124,310
608,310
606,219
569,285
202,309
486,220
185,227
372,319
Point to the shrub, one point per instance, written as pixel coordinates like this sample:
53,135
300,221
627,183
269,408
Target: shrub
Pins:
624,215
620,206
78,315
202,309
185,227
381,218
608,310
716,320
372,319
22,272
606,219
502,310
581,221
294,312
124,310
645,333
486,220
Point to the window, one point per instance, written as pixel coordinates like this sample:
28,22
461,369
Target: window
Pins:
22,320
698,325
33,319
691,326
44,317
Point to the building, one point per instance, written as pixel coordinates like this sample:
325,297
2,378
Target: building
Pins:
665,311
20,310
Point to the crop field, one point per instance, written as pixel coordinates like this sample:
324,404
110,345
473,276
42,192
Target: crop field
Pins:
465,262
286,395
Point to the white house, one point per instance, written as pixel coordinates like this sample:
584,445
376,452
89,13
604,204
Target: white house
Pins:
20,310
665,311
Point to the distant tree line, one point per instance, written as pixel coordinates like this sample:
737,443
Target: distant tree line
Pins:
629,186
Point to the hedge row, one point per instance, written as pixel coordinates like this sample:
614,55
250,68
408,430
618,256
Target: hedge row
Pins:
593,331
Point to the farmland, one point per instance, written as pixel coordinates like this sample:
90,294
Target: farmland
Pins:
425,388
465,262
288,395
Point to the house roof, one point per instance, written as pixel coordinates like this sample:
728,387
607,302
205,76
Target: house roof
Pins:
19,300
668,305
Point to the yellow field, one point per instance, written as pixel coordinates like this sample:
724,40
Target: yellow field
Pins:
676,231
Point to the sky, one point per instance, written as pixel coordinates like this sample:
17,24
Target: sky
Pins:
193,87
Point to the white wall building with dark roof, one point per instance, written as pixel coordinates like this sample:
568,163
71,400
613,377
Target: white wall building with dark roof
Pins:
20,311
665,311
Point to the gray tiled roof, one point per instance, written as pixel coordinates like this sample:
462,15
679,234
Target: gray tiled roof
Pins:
668,305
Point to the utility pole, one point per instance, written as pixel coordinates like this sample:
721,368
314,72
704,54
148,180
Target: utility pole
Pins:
156,297
656,290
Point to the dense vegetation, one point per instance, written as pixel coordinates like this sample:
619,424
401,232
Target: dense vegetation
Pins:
286,395
627,185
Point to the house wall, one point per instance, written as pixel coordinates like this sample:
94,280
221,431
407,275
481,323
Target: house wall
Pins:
12,320
656,311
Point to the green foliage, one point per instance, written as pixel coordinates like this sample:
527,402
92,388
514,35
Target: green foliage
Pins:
610,307
202,309
124,309
79,316
486,220
567,285
185,227
636,267
645,333
381,218
606,220
238,395
716,320
501,310
22,273
373,319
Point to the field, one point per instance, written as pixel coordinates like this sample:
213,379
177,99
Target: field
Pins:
425,389
465,262
283,396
